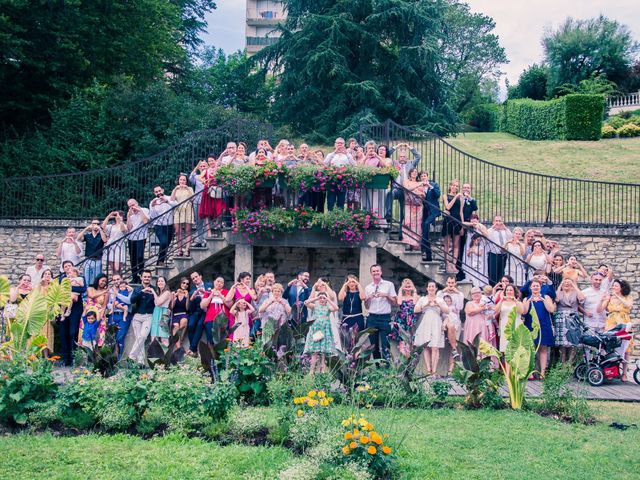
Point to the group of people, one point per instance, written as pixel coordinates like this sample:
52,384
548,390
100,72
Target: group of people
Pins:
402,316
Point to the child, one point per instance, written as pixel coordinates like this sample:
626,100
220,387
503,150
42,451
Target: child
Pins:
76,281
452,319
320,342
490,313
90,329
241,311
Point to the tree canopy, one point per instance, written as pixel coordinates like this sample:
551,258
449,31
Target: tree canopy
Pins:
48,49
583,49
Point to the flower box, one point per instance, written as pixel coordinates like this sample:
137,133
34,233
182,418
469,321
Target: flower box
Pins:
379,180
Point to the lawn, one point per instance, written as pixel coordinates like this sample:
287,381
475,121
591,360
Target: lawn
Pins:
614,160
439,444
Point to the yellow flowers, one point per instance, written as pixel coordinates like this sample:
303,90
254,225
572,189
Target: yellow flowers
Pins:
363,388
361,433
300,412
313,399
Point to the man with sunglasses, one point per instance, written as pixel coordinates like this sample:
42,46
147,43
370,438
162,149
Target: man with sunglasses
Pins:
94,239
35,271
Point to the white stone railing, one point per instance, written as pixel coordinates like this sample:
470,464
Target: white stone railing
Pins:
629,100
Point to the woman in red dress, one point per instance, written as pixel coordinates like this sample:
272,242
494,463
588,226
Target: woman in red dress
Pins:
212,203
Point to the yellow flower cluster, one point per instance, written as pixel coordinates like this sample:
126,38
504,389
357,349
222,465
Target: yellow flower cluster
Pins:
363,388
361,433
313,399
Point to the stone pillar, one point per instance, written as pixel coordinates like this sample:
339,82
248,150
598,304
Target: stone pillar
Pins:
244,259
368,257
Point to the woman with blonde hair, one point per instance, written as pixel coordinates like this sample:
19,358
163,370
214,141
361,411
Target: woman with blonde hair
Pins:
430,332
452,203
405,317
515,262
183,214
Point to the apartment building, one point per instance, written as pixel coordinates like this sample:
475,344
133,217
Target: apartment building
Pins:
262,17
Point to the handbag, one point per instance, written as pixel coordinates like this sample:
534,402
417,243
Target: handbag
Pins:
10,310
215,191
318,336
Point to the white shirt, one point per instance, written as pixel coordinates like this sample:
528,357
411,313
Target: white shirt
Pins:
158,211
339,160
498,236
593,299
136,222
380,305
457,299
68,253
36,275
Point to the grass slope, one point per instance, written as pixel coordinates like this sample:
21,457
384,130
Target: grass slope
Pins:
614,160
443,444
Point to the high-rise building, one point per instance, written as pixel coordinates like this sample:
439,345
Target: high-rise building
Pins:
262,18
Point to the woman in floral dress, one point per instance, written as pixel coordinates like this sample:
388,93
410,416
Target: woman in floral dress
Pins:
413,208
320,341
406,317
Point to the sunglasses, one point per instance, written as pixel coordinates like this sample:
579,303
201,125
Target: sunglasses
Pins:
39,259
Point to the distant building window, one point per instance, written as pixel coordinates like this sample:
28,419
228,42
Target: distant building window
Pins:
261,40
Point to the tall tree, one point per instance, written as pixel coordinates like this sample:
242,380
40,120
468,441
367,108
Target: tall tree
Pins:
339,62
532,83
582,49
471,53
50,48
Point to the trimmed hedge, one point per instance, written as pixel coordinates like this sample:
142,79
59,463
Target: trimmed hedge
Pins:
572,117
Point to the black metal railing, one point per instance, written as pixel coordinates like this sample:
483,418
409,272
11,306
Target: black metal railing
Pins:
84,195
116,256
520,197
475,268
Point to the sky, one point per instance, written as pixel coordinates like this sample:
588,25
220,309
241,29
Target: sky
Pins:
520,24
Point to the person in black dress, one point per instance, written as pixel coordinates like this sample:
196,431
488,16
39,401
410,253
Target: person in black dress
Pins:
452,224
469,206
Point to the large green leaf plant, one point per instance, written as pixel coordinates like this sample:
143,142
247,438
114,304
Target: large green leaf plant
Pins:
519,360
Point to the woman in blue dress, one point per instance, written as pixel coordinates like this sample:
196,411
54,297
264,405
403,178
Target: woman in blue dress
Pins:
544,307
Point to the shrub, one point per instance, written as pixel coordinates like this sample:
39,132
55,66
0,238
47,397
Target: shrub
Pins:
559,400
628,130
484,117
572,117
250,370
441,389
24,384
608,131
616,121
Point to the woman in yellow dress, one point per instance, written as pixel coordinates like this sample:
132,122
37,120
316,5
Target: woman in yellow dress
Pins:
47,330
618,304
183,214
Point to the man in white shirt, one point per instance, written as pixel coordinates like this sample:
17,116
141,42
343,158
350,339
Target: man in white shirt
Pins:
137,220
227,156
162,219
69,249
499,234
35,271
595,314
340,157
380,295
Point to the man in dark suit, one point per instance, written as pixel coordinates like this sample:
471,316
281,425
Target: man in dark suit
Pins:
195,327
296,293
468,207
430,211
404,166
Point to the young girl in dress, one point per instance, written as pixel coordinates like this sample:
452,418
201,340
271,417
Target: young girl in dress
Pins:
452,320
241,311
320,342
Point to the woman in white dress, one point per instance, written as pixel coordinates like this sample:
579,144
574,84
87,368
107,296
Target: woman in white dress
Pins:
429,331
475,252
324,286
503,308
516,247
539,259
116,247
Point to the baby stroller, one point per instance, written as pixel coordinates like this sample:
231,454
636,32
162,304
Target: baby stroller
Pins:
602,359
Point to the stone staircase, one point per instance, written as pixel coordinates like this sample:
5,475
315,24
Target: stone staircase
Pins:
434,269
182,266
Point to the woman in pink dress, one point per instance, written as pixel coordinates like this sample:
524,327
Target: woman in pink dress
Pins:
212,203
476,321
241,290
412,227
213,304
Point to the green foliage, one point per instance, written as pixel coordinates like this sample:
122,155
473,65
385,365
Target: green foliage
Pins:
52,48
596,85
560,400
250,370
608,131
579,49
341,60
628,130
572,117
441,389
25,383
478,377
484,117
531,84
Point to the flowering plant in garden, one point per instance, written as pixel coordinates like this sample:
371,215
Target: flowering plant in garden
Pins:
268,171
264,223
315,399
311,178
348,226
237,180
368,446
